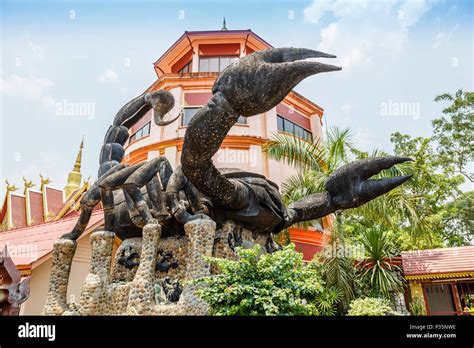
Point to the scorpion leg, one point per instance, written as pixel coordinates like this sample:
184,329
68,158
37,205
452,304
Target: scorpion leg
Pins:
178,182
145,175
88,202
107,186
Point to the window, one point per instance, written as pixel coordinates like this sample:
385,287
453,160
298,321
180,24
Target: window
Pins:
188,115
242,120
215,64
145,130
186,69
287,126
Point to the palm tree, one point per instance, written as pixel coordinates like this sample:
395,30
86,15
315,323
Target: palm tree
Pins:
378,270
315,162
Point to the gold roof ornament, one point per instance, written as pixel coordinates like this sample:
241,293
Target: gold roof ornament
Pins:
10,187
44,181
75,177
27,184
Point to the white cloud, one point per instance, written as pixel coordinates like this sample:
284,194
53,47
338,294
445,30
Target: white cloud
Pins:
108,75
316,10
29,88
363,31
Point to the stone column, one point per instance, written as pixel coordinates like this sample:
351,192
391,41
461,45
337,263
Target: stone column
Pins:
56,301
94,289
201,235
142,291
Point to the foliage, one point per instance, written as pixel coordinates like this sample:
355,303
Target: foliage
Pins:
370,307
267,284
377,269
417,307
437,186
457,220
454,132
337,267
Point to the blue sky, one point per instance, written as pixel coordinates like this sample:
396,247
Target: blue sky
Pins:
399,53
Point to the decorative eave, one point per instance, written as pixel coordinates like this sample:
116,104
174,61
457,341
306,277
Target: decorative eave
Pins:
440,276
186,40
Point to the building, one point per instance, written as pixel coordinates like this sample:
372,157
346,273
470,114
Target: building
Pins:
188,70
443,279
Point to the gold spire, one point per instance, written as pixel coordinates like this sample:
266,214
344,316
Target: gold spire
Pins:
75,177
77,165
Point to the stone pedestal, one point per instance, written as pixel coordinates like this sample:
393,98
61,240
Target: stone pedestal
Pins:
93,299
56,301
141,300
201,235
126,292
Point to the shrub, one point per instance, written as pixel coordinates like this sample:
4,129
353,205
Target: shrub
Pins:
370,306
266,284
417,307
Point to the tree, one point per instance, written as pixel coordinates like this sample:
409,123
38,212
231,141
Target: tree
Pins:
457,219
435,184
267,284
455,131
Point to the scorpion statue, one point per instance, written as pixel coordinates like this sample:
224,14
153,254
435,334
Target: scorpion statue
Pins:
152,192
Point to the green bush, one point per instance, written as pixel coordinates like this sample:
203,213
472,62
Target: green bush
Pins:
370,306
266,284
417,307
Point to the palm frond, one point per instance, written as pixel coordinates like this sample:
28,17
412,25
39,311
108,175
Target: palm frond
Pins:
296,152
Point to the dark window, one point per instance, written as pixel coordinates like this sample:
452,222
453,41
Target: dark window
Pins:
289,126
280,123
188,115
186,68
215,64
284,125
145,130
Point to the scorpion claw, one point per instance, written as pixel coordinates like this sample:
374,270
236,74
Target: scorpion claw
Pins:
351,187
277,71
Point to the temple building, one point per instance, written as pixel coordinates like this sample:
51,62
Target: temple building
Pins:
33,207
443,279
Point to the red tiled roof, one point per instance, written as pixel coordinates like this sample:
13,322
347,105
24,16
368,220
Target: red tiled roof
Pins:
438,261
30,244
